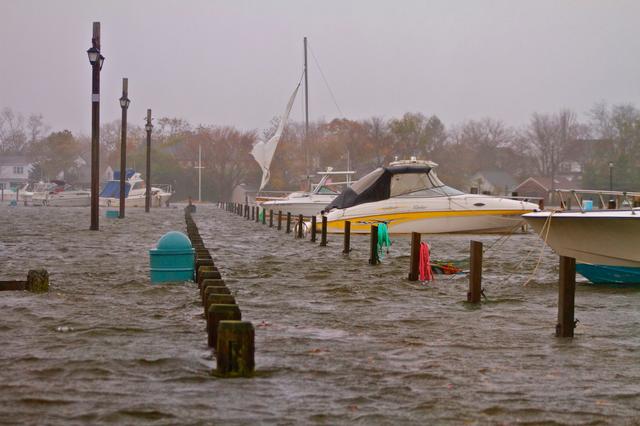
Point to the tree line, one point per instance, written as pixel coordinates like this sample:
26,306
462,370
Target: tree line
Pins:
542,147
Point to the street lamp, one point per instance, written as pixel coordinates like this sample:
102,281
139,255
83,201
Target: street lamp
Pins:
148,127
610,176
96,60
124,104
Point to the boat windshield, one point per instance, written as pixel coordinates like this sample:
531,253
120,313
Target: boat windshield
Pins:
366,181
420,185
326,190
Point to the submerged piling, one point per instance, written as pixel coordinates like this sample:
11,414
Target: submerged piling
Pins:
279,220
288,222
347,237
323,232
313,229
374,258
270,218
475,272
37,282
566,297
300,225
414,265
217,313
235,349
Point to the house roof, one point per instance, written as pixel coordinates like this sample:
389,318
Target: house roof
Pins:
497,178
14,160
560,182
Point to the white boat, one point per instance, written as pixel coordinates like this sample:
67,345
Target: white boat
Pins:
408,197
135,192
309,203
22,194
605,243
58,193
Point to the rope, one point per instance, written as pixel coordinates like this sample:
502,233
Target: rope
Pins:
325,81
547,224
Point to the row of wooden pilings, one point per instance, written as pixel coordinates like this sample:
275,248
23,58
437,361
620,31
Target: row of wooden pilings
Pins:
567,276
232,339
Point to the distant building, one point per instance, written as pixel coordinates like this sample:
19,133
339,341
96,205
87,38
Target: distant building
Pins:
14,171
243,194
492,182
542,187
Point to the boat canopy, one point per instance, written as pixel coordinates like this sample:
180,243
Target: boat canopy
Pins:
127,175
409,179
112,189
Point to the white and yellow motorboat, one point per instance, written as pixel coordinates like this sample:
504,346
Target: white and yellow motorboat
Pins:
408,197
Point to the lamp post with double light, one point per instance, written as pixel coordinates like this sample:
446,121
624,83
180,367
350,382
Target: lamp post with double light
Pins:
124,104
96,60
148,127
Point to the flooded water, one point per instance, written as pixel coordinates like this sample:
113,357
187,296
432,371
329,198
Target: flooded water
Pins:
337,340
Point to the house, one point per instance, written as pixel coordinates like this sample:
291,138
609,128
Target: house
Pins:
14,171
492,182
542,187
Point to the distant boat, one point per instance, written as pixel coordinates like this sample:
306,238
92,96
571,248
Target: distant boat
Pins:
605,243
408,197
309,203
17,194
57,193
135,192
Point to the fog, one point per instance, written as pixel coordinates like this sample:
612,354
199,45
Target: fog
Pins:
236,62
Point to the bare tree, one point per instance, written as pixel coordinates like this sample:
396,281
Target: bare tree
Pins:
13,137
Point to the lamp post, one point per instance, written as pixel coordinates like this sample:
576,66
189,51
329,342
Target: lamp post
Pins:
148,127
124,104
610,175
96,60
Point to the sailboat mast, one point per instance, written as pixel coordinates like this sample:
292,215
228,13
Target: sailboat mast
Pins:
306,113
200,173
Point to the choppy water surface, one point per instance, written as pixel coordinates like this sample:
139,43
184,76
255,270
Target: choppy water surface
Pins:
337,340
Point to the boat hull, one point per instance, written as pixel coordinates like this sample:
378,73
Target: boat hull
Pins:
158,200
434,215
598,238
63,200
606,274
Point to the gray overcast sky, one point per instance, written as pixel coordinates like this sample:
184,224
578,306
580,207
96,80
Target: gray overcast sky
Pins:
236,62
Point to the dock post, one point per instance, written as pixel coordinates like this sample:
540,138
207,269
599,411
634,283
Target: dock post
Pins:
270,218
217,313
475,272
253,213
279,220
323,232
288,222
264,216
347,237
300,224
235,348
373,247
566,297
313,228
257,214
415,257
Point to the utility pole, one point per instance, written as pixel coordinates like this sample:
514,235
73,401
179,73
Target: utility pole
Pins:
96,60
200,173
124,104
306,115
147,200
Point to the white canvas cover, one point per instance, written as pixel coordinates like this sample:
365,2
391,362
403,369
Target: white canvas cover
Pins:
263,151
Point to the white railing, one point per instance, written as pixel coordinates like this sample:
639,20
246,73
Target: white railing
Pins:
614,199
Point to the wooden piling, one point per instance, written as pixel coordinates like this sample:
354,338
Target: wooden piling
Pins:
270,218
374,259
235,349
566,297
414,265
253,212
217,313
279,220
288,222
300,225
218,299
313,228
37,282
264,216
207,272
213,289
475,272
347,237
210,282
323,232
